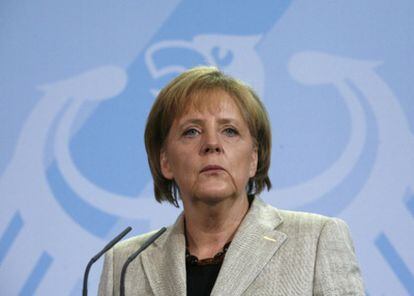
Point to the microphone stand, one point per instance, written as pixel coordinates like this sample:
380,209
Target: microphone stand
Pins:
145,245
97,256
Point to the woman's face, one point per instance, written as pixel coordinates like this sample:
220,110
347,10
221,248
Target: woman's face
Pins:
209,151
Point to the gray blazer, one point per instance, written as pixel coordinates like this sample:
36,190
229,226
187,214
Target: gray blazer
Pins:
274,252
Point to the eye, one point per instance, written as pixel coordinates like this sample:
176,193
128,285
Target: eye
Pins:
230,132
191,133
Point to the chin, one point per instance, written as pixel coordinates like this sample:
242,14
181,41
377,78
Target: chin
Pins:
212,196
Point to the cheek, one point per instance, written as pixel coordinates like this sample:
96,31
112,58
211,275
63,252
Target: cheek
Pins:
244,165
183,165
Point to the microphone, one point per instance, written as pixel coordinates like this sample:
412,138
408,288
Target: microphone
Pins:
145,245
97,256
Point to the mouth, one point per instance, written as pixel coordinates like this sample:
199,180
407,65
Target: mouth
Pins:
211,169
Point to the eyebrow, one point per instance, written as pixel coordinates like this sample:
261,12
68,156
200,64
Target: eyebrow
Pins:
201,121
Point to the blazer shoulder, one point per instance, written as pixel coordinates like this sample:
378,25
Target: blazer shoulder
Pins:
302,216
325,245
308,222
130,245
115,258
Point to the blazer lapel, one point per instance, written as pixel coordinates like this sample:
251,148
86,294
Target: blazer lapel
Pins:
164,264
254,244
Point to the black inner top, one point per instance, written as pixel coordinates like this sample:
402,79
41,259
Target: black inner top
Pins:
202,274
201,278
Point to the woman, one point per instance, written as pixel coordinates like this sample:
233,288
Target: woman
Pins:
208,142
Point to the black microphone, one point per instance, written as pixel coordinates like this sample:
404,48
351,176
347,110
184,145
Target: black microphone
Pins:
97,256
145,245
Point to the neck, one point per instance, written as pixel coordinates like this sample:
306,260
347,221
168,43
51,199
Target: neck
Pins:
210,226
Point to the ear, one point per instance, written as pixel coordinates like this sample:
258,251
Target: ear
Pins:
253,162
165,166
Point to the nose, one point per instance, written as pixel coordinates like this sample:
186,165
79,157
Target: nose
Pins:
211,148
211,144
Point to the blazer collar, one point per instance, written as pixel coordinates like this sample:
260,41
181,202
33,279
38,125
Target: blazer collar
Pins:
164,263
254,244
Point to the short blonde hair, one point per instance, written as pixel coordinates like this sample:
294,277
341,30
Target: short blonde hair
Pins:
177,96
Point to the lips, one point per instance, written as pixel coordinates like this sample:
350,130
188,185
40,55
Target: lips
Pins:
211,168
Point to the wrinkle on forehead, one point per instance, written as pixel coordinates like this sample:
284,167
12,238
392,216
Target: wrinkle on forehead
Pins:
211,101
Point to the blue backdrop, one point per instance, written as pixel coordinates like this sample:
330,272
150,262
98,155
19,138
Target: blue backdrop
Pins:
77,80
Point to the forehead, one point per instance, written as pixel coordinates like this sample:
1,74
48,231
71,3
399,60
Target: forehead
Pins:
210,101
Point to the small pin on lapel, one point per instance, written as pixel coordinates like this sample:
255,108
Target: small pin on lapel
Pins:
269,238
